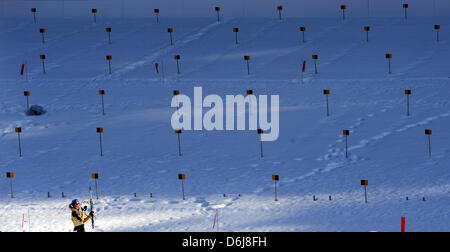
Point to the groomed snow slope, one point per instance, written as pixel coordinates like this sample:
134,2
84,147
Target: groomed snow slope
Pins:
386,147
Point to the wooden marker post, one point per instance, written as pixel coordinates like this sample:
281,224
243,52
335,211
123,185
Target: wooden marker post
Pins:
367,29
109,58
326,92
156,11
218,14
276,178
346,134
178,132
42,31
100,131
236,31
406,6
389,57
343,8
42,56
18,131
108,30
10,175
176,93
182,177
315,57
27,95
429,132
94,176
280,8
303,29
249,92
101,92
94,11
33,10
365,183
260,132
437,28
170,31
177,59
247,58
407,93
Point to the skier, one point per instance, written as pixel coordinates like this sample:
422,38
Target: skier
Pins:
78,215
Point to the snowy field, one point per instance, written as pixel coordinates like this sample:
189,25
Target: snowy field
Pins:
387,147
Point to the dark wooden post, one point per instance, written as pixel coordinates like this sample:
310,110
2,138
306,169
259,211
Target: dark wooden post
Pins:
407,93
182,177
27,95
108,30
42,57
406,6
94,176
156,11
178,132
303,29
315,57
33,10
365,183
429,132
94,11
18,131
367,29
170,31
389,57
218,14
177,59
10,175
260,132
326,92
280,8
437,28
100,131
276,178
42,31
236,31
101,92
346,134
247,59
343,8
109,58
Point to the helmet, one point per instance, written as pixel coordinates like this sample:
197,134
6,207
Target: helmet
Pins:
74,202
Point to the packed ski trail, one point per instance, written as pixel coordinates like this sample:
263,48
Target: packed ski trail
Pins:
224,170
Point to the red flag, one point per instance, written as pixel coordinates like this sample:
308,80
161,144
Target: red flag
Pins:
156,66
304,66
403,224
23,67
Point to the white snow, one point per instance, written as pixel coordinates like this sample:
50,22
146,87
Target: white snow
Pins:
61,148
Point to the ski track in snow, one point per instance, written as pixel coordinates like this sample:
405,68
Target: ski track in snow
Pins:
149,59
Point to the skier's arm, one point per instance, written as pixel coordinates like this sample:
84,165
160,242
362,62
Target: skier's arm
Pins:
89,217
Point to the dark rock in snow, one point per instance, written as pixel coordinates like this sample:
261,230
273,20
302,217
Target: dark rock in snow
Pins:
36,110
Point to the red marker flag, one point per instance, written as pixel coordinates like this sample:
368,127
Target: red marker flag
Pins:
304,66
156,66
403,224
215,217
21,70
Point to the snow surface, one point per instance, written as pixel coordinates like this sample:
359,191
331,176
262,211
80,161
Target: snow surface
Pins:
386,147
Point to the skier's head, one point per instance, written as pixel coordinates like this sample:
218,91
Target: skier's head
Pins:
75,204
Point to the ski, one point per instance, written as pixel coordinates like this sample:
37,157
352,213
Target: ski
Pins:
92,206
